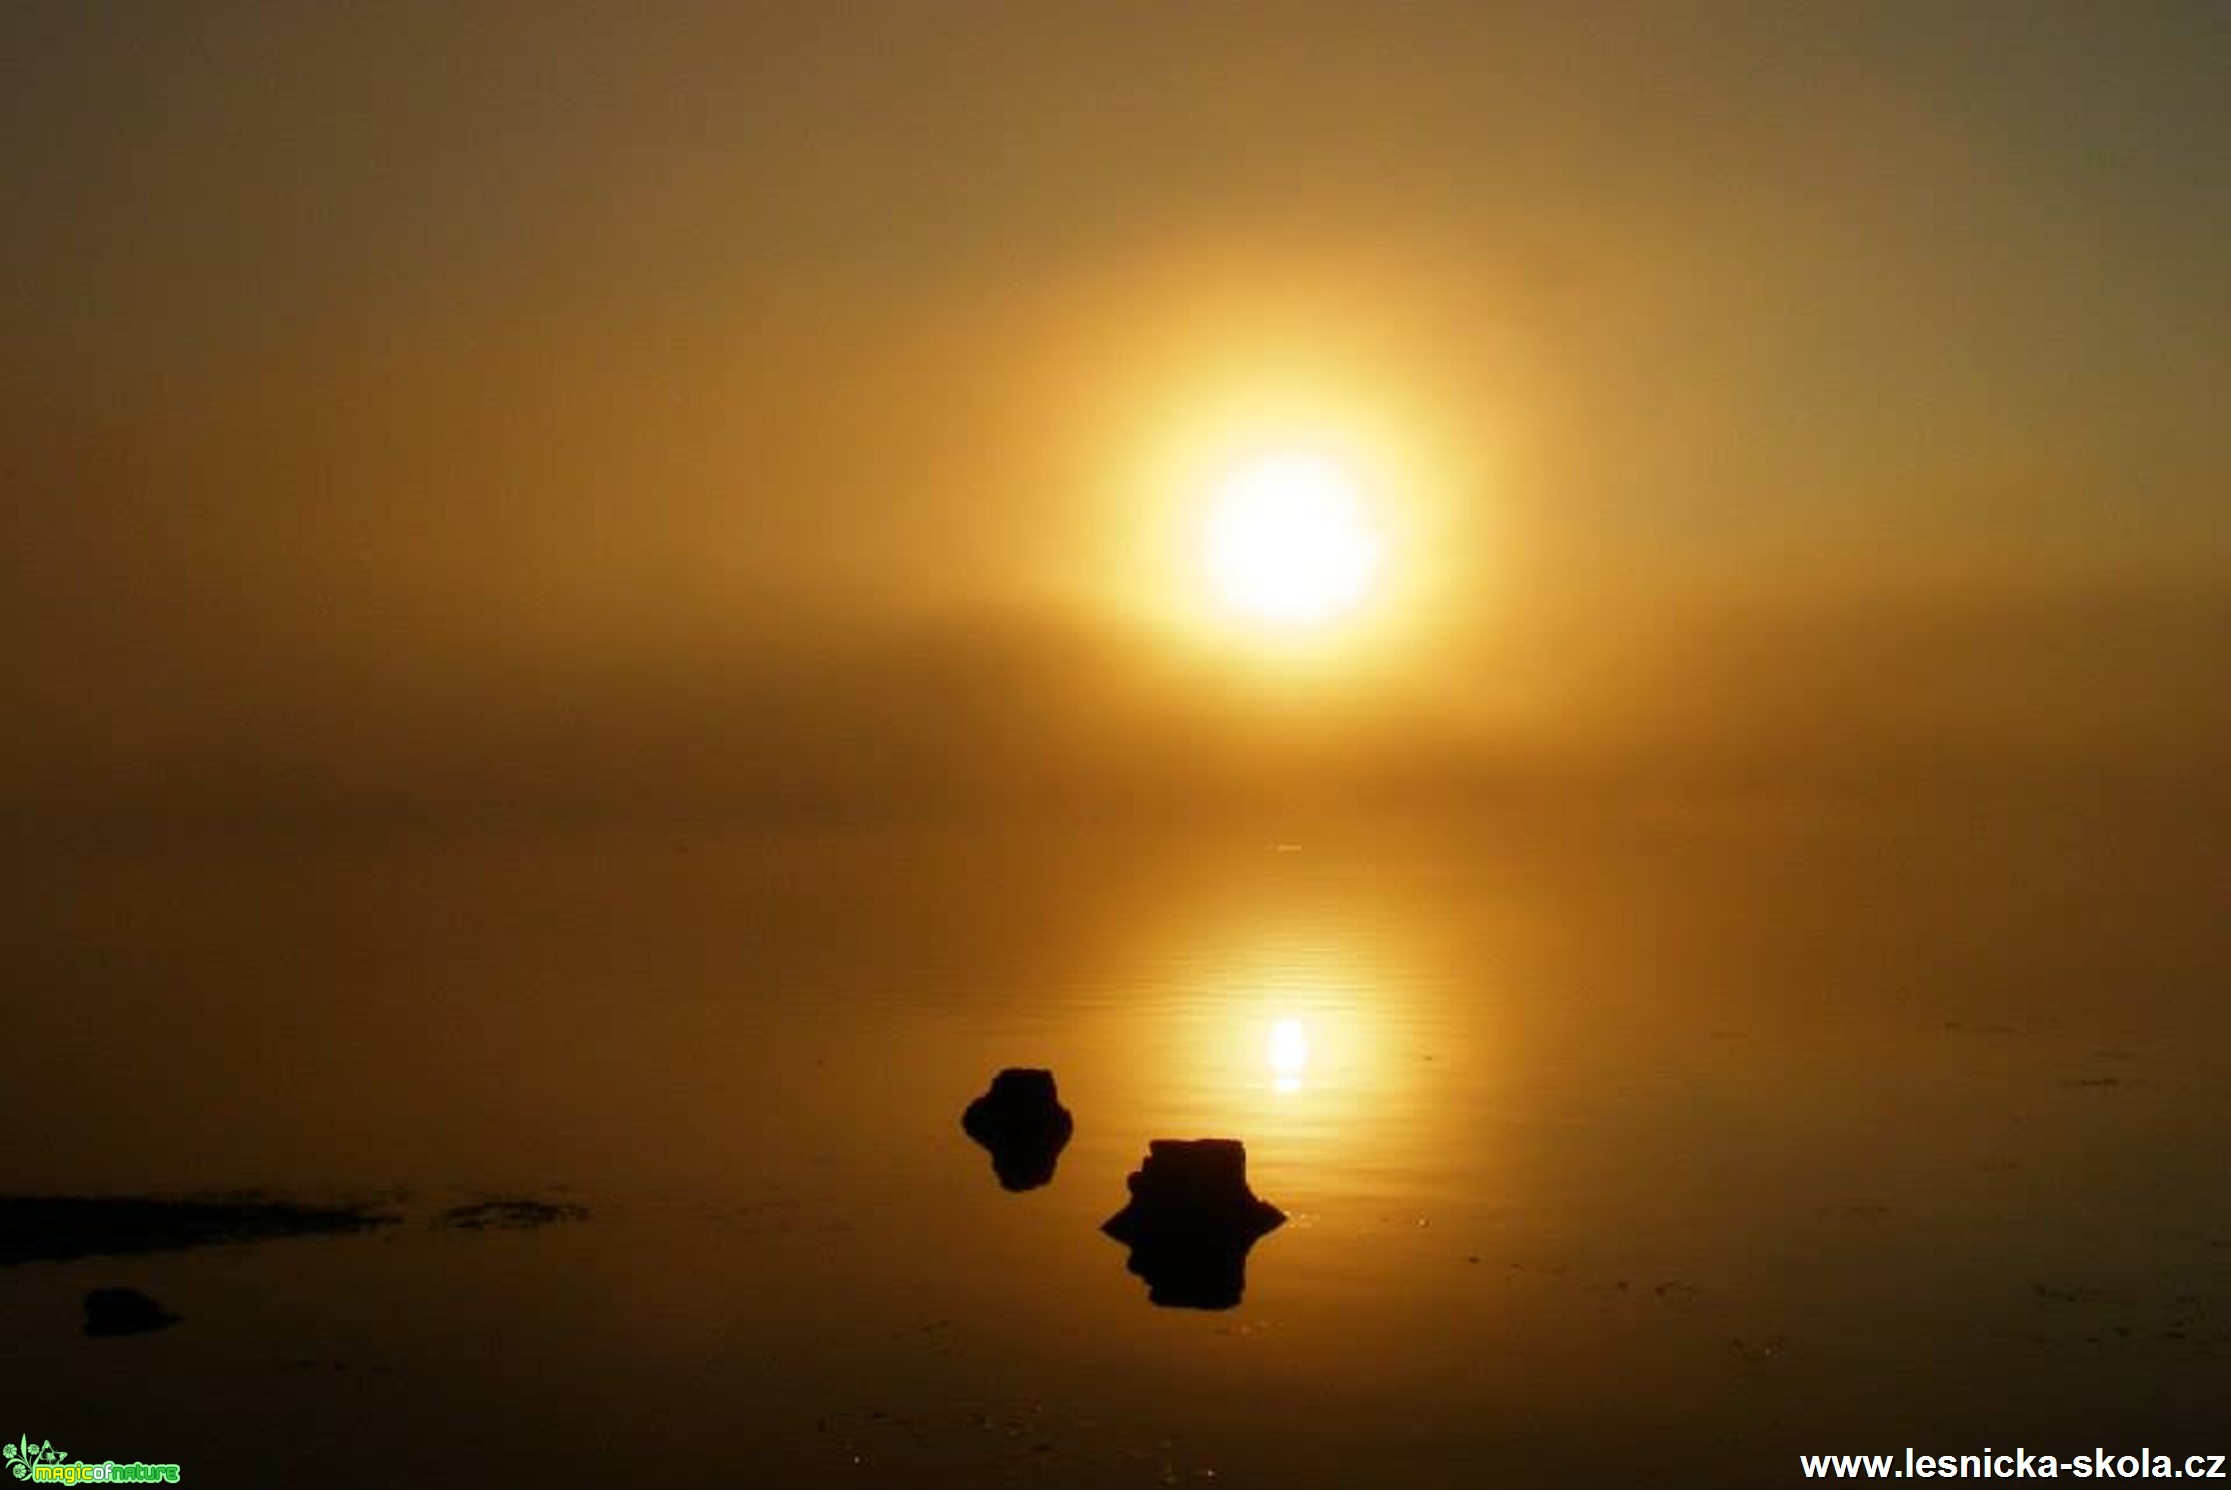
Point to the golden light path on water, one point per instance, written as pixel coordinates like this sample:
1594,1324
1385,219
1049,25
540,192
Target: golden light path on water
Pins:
1315,1045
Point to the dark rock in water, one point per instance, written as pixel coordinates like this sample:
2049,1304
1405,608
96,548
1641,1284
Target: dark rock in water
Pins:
124,1311
1191,1222
1022,1122
1021,1101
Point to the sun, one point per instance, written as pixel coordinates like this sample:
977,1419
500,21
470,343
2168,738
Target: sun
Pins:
1289,540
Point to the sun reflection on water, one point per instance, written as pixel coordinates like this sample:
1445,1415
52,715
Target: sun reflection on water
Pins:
1290,1043
1311,1035
1289,1054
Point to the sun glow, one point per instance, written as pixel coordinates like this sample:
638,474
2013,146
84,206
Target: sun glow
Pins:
1290,541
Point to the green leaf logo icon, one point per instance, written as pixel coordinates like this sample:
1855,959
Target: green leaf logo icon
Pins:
23,1456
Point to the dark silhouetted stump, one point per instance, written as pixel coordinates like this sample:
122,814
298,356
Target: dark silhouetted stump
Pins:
1192,1221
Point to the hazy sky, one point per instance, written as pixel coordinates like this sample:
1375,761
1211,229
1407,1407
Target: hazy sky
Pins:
438,407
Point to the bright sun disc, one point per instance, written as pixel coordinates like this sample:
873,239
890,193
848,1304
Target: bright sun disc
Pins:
1290,541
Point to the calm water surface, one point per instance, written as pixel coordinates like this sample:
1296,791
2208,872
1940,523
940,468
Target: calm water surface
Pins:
1659,1150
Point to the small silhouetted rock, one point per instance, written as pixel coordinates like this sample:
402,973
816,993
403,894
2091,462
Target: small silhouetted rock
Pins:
124,1311
1022,1122
1192,1221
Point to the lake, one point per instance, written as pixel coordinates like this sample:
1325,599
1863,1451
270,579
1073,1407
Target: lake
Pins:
1626,1146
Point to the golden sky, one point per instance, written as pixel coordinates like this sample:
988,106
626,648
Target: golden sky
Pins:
413,408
